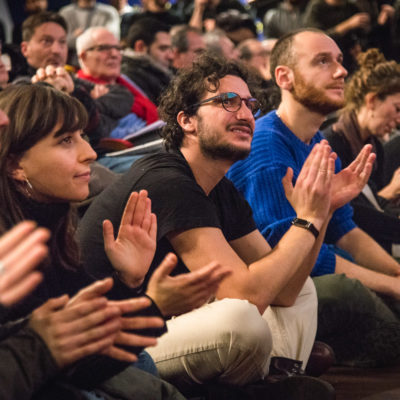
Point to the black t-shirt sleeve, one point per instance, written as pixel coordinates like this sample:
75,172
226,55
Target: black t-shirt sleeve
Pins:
178,201
234,211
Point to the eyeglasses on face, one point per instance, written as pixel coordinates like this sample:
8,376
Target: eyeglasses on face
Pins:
232,102
105,48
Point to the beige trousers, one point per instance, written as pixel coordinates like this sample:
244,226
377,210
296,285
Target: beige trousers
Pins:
230,341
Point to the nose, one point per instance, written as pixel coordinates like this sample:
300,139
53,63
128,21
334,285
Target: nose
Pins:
56,47
244,112
340,71
86,152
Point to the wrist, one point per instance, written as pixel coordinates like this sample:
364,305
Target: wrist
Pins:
307,225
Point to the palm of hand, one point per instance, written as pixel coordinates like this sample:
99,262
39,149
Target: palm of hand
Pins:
132,252
346,185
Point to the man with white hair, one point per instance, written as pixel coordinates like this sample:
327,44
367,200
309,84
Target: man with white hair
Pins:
100,57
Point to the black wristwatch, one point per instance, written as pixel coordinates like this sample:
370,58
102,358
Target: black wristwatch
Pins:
302,223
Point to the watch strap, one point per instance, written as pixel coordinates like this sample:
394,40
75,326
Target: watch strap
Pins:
303,223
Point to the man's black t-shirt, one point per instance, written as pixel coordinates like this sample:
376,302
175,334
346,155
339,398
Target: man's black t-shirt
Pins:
177,200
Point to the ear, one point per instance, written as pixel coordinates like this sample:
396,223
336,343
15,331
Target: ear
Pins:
15,170
24,48
284,77
371,100
82,56
187,123
140,46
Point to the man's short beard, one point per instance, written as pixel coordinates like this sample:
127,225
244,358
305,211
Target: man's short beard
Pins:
222,151
314,98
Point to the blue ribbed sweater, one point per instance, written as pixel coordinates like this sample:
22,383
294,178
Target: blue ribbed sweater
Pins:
259,178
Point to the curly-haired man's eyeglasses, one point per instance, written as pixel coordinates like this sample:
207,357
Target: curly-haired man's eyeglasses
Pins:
232,102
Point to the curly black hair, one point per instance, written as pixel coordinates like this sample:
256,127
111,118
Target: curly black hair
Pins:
189,87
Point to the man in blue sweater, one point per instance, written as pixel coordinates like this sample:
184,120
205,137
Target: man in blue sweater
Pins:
360,326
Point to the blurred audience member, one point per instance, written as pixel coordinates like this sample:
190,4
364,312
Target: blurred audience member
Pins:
238,26
218,43
84,14
187,44
148,56
158,9
287,16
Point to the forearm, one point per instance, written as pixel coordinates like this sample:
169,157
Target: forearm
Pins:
196,20
376,281
291,290
278,277
368,253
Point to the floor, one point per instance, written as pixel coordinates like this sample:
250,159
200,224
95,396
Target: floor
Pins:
371,384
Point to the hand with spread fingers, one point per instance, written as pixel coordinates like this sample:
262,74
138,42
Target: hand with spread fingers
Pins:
125,336
122,335
132,252
310,196
175,295
348,183
21,250
57,77
76,331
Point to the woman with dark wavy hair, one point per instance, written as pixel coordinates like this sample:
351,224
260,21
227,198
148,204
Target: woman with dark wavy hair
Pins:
86,341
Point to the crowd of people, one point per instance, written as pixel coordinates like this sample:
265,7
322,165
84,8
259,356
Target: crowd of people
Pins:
259,240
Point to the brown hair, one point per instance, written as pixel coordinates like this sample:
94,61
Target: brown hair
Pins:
34,111
375,75
35,20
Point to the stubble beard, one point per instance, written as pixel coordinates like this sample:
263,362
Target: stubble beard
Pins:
314,98
211,147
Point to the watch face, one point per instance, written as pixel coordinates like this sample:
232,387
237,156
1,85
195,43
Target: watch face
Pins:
301,222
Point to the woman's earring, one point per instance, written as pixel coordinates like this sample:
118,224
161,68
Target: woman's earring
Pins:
28,188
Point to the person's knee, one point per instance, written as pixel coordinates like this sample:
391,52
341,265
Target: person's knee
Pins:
343,292
242,327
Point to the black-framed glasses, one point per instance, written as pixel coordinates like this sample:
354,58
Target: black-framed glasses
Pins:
232,102
105,47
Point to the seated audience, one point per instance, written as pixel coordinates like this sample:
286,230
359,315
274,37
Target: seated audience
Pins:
44,47
83,14
357,299
372,110
208,111
148,56
29,191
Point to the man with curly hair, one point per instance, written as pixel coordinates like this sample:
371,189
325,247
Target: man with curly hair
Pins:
267,305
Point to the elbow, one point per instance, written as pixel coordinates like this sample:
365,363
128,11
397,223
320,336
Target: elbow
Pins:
284,300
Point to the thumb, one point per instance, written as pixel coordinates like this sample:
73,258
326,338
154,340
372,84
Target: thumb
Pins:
56,303
166,266
287,183
108,233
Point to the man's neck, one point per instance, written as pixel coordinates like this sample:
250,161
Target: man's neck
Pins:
207,171
300,120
